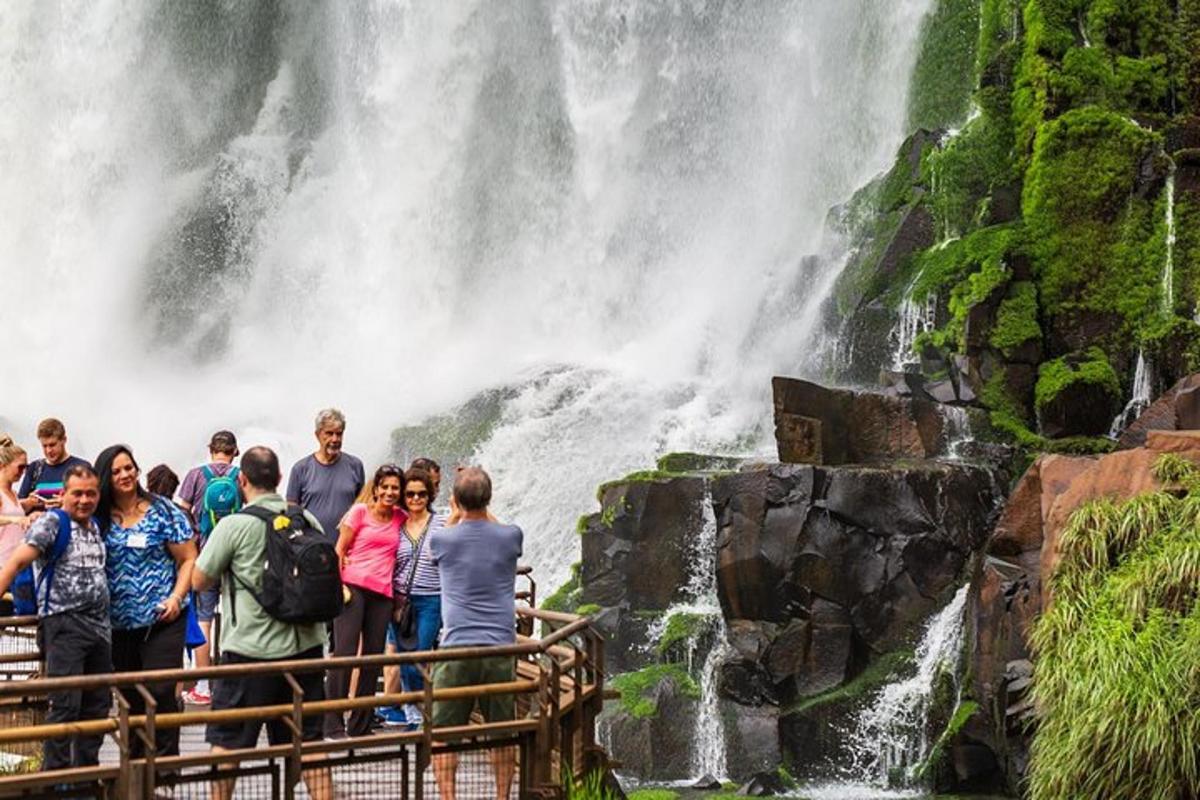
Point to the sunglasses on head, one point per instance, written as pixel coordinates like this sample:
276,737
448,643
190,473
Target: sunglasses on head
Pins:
423,495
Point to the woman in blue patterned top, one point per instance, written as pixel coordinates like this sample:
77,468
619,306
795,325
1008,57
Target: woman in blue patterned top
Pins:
150,554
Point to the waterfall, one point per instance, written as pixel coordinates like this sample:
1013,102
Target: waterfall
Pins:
889,737
1168,274
602,206
916,317
1143,395
956,430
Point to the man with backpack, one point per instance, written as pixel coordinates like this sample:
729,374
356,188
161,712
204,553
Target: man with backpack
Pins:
71,594
209,493
280,584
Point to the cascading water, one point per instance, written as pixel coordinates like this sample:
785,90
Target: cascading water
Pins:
956,424
237,213
889,739
1143,394
916,317
1168,274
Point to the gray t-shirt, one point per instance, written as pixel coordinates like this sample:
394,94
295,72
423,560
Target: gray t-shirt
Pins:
79,585
326,490
478,565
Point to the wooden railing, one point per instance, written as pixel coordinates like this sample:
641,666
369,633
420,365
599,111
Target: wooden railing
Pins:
558,686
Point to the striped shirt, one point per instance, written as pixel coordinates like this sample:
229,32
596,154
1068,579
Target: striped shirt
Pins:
427,580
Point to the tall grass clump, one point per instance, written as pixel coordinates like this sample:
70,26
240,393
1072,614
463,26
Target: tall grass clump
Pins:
1117,675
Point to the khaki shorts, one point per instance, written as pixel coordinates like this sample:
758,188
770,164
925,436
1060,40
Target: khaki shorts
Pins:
473,672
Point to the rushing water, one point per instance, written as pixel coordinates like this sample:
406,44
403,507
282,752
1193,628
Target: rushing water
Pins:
1143,395
889,736
233,213
1168,273
917,316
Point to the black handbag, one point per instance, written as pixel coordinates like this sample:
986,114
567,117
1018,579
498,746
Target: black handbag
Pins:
403,613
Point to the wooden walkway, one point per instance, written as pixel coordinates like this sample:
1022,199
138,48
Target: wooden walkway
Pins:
558,688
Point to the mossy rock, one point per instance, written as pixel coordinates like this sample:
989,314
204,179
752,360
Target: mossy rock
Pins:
568,597
1077,395
697,462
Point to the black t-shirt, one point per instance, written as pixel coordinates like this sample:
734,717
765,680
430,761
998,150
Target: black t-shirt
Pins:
47,479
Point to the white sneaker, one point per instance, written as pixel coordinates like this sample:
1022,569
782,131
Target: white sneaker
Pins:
413,715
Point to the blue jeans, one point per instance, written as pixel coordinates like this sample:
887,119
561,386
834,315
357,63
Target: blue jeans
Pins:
427,608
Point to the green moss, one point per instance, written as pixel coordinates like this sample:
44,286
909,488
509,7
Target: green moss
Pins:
1092,368
588,609
1091,237
944,75
640,476
878,673
937,754
583,523
637,688
1016,319
680,463
681,627
568,596
1115,654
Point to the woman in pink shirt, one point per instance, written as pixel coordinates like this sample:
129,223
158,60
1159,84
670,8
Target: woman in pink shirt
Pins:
13,522
367,540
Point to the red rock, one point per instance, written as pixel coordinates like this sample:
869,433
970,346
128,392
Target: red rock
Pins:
1020,526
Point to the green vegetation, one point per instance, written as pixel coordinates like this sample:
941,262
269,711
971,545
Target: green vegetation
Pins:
566,598
1092,368
679,463
589,787
653,794
588,609
1016,319
1116,680
637,688
681,627
944,75
882,670
1094,240
963,712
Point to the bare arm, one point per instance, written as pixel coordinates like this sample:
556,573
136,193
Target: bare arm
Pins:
345,539
184,554
200,581
22,557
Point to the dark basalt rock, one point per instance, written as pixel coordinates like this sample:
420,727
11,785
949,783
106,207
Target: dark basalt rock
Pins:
657,747
763,784
817,425
831,556
1079,409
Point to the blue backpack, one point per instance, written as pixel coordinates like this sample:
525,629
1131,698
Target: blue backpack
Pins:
25,587
221,498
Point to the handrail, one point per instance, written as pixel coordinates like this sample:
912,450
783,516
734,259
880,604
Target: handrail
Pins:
563,677
73,682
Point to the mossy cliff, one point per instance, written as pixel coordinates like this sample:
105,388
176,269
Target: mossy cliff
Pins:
1047,208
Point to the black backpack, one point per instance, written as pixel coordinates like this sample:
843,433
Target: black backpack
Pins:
302,580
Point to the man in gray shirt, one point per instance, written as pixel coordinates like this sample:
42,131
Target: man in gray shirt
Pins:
326,482
477,559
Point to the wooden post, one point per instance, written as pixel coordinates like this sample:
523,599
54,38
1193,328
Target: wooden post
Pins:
295,759
149,741
124,779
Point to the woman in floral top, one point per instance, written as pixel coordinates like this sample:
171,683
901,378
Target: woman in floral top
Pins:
150,554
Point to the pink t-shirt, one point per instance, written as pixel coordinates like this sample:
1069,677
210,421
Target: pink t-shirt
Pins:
372,554
11,535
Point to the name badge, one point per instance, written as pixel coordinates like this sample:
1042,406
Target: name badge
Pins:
136,540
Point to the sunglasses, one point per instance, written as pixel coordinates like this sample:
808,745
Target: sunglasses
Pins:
421,495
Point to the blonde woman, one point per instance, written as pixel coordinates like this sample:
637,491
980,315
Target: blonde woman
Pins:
13,521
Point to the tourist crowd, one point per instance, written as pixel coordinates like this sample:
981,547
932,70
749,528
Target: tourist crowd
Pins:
126,577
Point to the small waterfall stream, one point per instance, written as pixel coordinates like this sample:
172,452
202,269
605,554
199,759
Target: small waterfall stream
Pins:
916,317
1142,395
889,737
957,430
1168,275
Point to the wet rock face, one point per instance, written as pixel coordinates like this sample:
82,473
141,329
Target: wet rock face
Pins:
1177,409
636,554
820,569
817,425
